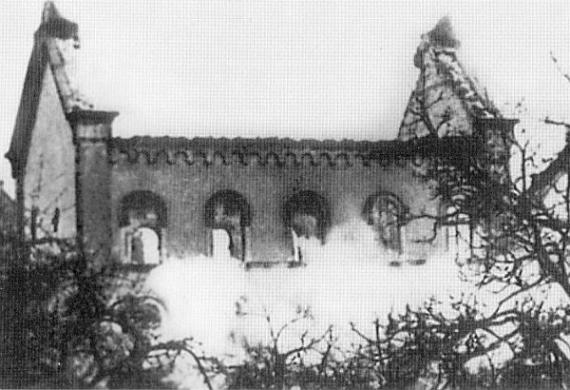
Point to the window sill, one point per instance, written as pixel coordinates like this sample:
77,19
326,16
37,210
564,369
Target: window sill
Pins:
272,264
139,268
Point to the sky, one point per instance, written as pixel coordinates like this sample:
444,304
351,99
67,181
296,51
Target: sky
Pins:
300,69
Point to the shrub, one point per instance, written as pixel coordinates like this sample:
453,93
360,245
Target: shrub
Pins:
66,324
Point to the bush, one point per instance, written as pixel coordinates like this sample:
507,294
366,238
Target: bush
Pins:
66,324
424,348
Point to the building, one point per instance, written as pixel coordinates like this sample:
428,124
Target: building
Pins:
8,209
140,200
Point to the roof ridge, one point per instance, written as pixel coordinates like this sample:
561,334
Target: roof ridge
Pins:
50,12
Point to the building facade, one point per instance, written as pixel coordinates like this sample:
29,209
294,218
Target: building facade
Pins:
141,200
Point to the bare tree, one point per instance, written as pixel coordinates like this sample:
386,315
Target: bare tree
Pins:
517,222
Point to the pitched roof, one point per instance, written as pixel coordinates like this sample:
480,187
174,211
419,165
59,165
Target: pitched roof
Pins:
436,58
446,99
51,42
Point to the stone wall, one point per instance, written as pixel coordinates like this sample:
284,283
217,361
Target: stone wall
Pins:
49,179
186,187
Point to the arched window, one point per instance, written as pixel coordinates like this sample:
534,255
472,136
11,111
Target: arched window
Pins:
306,214
228,211
221,245
386,214
142,220
145,246
460,236
467,237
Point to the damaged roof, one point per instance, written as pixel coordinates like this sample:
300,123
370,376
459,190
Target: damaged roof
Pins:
51,43
444,90
446,99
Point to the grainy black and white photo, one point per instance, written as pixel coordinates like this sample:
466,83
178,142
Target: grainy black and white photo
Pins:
288,195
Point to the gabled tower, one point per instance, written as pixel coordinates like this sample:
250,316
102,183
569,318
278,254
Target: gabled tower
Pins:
446,100
45,144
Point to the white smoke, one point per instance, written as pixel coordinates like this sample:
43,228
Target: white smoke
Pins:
348,280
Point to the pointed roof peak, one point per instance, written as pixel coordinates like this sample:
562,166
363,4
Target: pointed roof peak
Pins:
52,40
444,87
442,34
50,12
56,26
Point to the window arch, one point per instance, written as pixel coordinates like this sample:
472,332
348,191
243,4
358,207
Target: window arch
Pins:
386,214
142,221
462,233
306,214
143,207
229,211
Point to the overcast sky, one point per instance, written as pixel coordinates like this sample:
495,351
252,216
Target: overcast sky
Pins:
301,69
